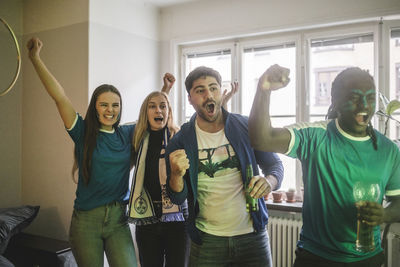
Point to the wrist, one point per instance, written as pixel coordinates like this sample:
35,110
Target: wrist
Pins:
273,182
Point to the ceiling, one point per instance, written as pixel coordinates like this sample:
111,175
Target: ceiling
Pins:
164,3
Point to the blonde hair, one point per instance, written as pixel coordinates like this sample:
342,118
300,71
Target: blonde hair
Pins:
142,125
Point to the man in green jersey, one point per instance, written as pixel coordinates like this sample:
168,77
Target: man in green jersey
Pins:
335,155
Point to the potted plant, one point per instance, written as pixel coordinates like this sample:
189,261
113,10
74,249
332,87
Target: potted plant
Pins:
290,195
277,196
389,108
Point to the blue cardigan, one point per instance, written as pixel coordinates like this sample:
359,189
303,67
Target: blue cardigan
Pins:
236,131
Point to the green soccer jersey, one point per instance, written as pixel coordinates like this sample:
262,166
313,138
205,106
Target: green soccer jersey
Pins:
332,162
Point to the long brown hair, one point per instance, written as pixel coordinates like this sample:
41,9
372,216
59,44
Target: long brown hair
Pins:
92,127
143,123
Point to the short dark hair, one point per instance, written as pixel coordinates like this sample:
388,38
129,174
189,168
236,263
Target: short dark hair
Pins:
200,72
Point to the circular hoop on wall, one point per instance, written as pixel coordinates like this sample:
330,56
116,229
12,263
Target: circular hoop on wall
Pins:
3,92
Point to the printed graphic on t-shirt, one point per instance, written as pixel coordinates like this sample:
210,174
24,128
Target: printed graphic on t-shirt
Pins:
212,160
222,204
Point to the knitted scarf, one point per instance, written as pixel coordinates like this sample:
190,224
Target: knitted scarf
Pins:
141,209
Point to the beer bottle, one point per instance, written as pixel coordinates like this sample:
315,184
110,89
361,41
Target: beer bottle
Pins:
251,203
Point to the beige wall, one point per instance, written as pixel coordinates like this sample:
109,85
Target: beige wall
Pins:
10,109
117,44
46,147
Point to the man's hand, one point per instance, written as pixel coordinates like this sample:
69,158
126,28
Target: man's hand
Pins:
260,187
34,46
274,78
371,213
169,81
226,96
179,163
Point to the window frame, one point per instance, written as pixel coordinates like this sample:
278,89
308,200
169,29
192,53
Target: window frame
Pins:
302,39
202,48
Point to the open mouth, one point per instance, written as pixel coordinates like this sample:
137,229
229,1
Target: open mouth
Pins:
159,119
362,118
210,107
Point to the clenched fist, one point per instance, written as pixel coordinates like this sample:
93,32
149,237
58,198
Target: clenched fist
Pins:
179,163
169,81
34,46
274,78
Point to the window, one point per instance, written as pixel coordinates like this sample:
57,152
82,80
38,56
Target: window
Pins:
314,58
323,84
394,72
325,64
218,59
255,60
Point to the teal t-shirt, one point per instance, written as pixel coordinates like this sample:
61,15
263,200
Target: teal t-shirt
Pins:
110,169
332,162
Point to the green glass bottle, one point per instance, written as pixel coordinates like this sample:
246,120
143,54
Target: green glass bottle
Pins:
251,203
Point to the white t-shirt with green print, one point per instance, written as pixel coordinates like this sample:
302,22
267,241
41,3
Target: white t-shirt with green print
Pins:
221,196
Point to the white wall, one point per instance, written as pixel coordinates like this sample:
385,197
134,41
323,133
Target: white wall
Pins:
221,19
124,50
10,110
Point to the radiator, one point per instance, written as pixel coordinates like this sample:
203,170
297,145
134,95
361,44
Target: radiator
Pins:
283,234
393,246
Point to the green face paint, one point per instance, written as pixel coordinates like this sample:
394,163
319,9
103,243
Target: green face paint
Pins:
360,98
356,110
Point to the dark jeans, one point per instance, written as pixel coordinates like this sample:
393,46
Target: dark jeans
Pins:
305,258
161,242
246,250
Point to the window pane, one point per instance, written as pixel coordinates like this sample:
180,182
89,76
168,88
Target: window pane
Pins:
255,62
328,57
218,60
394,69
317,118
289,164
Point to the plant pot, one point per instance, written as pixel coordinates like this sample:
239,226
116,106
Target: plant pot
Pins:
290,196
277,196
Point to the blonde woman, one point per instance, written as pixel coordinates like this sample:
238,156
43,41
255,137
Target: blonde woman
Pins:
160,225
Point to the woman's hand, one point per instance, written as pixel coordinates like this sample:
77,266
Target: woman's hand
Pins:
34,46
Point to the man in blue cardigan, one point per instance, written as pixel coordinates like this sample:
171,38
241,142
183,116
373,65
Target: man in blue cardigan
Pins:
206,164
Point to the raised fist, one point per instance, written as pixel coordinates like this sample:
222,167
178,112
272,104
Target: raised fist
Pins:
179,163
274,78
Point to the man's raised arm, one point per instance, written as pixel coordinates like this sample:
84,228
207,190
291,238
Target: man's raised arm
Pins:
262,135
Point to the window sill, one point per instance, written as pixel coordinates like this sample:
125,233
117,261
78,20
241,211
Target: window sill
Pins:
284,206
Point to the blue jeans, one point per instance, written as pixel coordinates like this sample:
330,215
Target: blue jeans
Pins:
163,244
248,250
102,229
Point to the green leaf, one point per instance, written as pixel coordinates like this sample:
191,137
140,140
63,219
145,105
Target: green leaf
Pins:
392,106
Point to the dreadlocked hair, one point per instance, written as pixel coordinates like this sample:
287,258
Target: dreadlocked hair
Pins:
371,133
341,82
